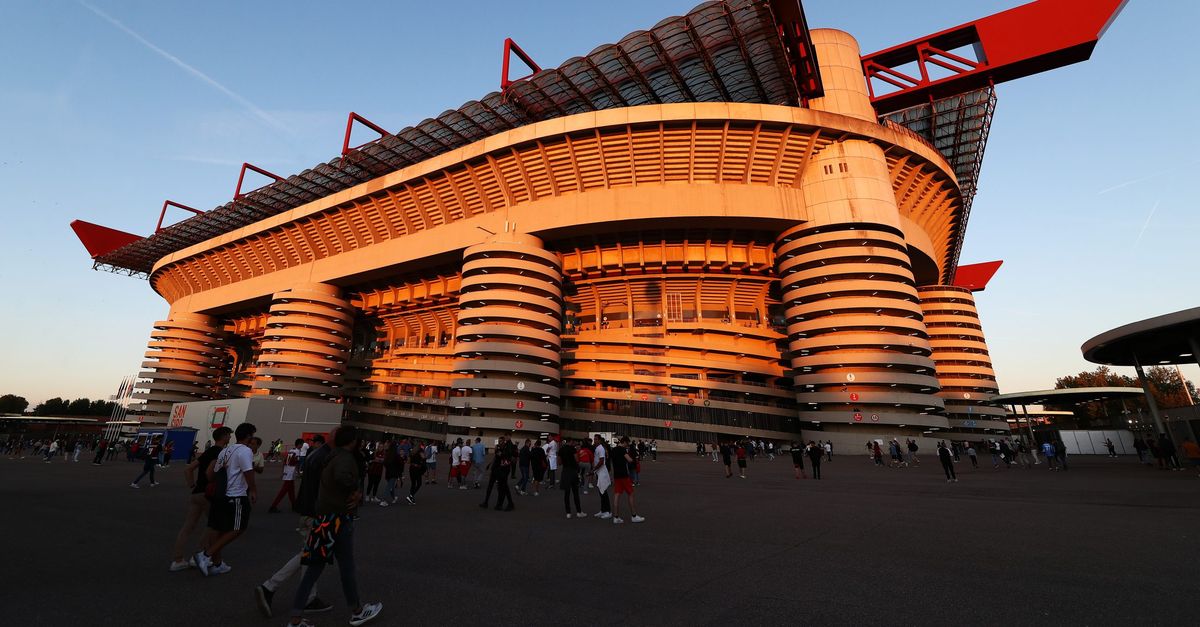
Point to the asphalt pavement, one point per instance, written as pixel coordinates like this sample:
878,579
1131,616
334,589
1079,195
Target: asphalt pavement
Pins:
1108,542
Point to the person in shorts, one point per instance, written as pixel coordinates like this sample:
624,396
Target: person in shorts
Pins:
622,464
229,515
798,460
741,460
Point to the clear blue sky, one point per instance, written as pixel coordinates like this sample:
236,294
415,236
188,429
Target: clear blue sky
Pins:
1086,190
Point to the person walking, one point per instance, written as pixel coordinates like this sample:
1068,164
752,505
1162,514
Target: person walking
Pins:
974,457
195,477
416,468
815,452
1048,453
622,464
524,459
393,473
291,464
311,465
149,455
741,458
828,450
727,459
1060,453
374,475
947,459
78,450
500,467
1139,445
101,449
337,500
877,453
1112,450
798,453
912,453
1166,448
431,452
568,461
235,491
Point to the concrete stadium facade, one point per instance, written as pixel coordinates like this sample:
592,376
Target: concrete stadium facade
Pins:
681,272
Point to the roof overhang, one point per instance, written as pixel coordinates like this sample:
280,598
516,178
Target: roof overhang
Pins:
1067,396
1169,339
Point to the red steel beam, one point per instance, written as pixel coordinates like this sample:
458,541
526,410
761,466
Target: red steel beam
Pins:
354,117
171,203
511,48
101,240
1019,42
237,193
975,277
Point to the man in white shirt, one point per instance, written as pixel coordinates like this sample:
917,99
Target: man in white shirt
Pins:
455,463
552,457
230,512
288,488
431,452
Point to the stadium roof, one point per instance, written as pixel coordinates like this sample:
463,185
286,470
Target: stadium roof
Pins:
718,52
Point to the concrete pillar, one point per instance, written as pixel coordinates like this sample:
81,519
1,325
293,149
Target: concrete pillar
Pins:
960,355
1158,422
183,358
507,340
306,344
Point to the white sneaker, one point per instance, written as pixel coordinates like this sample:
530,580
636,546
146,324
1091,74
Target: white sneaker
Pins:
178,566
134,485
383,503
599,514
569,517
637,519
462,487
618,521
606,515
202,562
219,569
581,515
369,612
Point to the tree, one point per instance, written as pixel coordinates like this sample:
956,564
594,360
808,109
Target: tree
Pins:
52,407
79,407
13,404
101,407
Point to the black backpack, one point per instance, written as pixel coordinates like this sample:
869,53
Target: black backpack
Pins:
216,487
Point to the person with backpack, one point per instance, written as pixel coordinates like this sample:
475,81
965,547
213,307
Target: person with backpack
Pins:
332,534
231,483
196,478
311,466
912,453
815,451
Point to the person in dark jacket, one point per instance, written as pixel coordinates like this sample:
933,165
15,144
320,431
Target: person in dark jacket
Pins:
947,460
798,453
337,499
814,457
501,466
306,505
1166,448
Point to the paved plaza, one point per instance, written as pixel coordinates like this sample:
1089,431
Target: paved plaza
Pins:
1109,542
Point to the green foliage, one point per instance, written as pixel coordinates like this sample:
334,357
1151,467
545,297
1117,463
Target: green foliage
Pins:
13,404
78,407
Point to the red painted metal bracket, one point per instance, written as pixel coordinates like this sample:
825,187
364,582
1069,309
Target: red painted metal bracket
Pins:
975,277
511,48
237,193
797,42
1019,42
101,240
171,203
354,117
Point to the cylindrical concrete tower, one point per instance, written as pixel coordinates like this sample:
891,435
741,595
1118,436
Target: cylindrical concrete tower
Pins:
858,346
184,353
509,321
306,344
960,353
842,75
